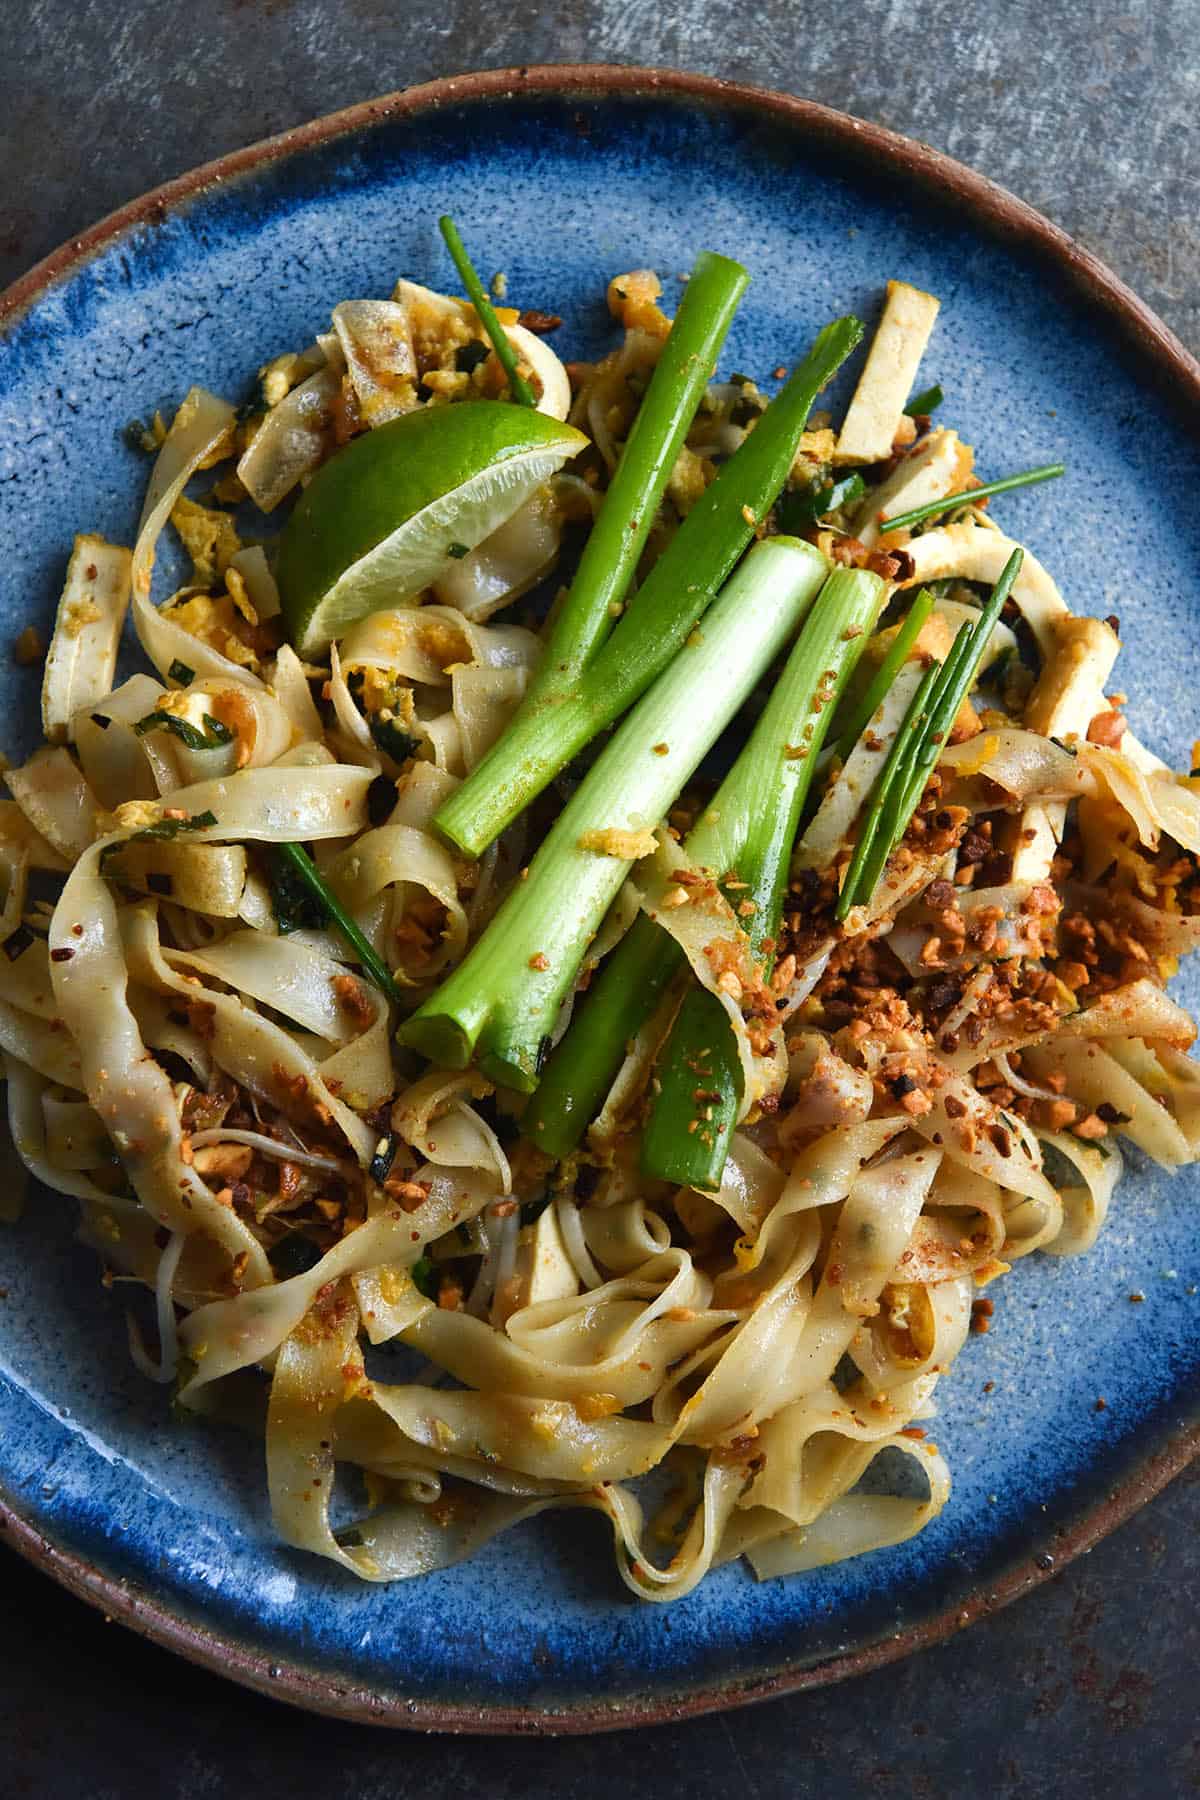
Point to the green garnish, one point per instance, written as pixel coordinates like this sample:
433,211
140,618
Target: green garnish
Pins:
889,668
506,355
161,832
926,402
180,672
212,737
1005,485
302,866
918,743
380,1166
292,904
800,508
392,738
292,1255
424,1277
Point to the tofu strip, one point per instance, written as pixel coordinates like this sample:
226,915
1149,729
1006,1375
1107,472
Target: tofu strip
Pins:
886,382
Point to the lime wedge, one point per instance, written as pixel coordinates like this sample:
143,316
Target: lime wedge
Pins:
395,508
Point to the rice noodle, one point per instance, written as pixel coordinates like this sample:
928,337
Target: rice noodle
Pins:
931,1089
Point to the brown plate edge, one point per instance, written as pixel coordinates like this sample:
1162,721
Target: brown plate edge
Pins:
1173,366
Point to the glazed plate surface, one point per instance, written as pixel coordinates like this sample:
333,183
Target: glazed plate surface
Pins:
562,179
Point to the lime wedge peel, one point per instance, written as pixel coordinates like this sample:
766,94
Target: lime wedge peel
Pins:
390,513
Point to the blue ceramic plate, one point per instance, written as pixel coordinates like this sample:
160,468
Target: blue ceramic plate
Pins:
563,178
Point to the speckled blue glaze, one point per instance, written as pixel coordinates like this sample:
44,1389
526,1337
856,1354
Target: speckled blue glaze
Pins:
562,196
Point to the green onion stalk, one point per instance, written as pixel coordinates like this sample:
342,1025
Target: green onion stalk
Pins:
618,537
588,687
500,1005
747,834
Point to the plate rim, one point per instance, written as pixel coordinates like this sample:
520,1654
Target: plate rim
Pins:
1167,360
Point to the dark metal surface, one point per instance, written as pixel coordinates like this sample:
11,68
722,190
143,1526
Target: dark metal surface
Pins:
1087,1686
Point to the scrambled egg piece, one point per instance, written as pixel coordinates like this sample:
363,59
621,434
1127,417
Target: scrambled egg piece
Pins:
210,539
214,620
632,300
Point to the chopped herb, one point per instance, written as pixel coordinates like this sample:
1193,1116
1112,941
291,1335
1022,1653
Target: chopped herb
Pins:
384,1157
746,408
211,738
294,907
139,436
161,832
458,551
254,406
392,738
468,357
293,1255
388,733
424,1277
180,672
102,720
800,508
926,402
19,941
381,800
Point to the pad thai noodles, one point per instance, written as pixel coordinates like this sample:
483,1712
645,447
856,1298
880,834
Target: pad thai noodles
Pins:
611,908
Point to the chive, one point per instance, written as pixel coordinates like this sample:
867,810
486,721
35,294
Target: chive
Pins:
918,743
180,672
301,863
671,603
890,775
926,402
1005,485
899,800
506,355
897,655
